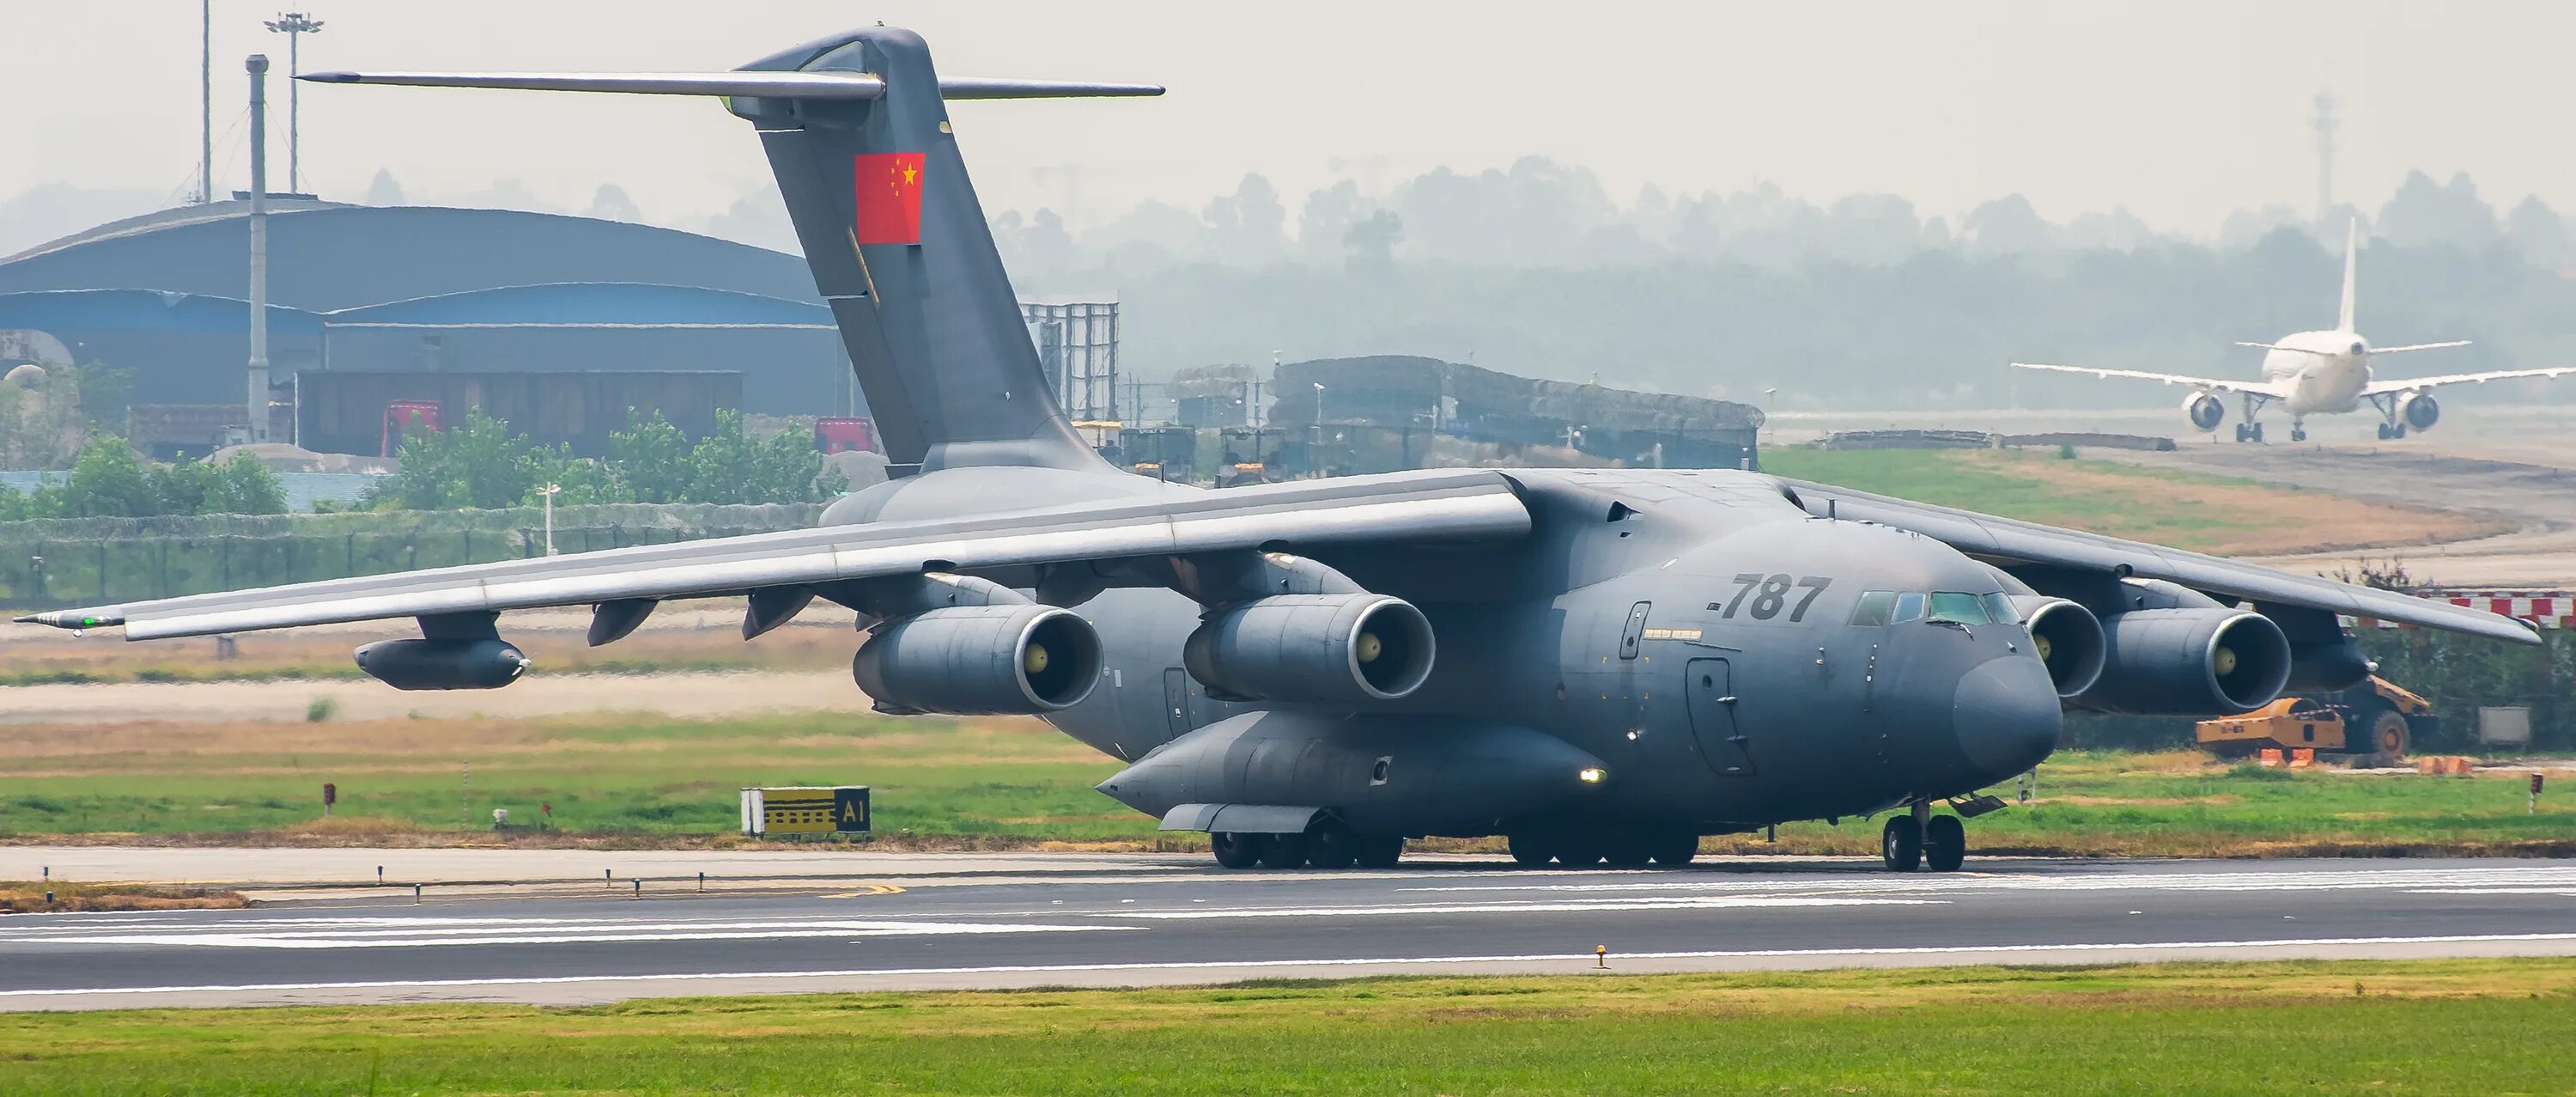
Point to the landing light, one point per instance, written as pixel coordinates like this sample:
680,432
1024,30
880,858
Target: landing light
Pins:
1591,775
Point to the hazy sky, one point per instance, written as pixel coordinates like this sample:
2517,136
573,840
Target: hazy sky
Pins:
2179,111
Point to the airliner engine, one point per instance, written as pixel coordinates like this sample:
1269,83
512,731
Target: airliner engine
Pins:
2419,411
2204,410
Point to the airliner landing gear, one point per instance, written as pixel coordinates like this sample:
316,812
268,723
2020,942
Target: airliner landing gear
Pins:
1945,843
2253,432
2389,432
1902,844
2298,430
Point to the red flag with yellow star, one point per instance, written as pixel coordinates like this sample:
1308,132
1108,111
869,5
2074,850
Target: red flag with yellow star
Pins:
889,191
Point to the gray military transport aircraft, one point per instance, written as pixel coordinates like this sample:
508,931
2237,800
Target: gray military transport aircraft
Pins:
1602,665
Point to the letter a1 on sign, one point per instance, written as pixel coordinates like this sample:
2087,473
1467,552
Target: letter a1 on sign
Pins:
889,196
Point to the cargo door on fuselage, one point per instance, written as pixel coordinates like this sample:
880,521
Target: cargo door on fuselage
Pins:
1712,715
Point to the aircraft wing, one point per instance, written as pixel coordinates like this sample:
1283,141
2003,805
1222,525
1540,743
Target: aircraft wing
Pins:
2005,541
2264,389
1431,505
2384,387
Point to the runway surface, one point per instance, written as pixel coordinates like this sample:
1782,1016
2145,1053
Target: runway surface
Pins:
1141,920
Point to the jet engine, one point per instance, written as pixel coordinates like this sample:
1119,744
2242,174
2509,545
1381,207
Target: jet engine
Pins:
2419,411
1020,659
443,664
2189,662
1312,647
2204,410
2067,638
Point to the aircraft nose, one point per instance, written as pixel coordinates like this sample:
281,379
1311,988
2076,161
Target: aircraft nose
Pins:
2006,716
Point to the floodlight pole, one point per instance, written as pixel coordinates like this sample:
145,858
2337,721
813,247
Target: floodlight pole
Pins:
205,101
294,25
258,68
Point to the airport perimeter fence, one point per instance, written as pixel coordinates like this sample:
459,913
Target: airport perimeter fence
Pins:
60,562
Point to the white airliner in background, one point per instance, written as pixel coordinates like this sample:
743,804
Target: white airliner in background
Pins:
2319,373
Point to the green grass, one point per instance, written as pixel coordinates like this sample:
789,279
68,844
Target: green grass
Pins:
2181,803
2432,1027
649,778
638,775
2186,510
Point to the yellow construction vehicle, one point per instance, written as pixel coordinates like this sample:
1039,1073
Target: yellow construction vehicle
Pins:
2376,719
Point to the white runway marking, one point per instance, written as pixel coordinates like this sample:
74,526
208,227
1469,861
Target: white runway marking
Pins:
1220,965
323,933
1606,905
2475,879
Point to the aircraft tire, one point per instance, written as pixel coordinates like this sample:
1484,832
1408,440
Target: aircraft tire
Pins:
1379,850
2298,434
2256,433
1529,852
1945,843
1676,849
1236,850
1330,845
1901,844
1283,851
2241,434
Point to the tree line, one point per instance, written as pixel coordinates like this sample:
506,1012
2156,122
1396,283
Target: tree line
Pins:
482,463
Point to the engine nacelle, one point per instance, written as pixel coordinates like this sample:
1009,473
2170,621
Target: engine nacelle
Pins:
1013,659
2204,410
1326,648
443,664
2419,411
2067,638
2189,662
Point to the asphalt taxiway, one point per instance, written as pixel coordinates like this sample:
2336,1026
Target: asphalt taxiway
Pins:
938,921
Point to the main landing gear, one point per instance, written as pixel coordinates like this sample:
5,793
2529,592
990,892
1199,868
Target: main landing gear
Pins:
2390,432
1326,844
1921,839
2253,432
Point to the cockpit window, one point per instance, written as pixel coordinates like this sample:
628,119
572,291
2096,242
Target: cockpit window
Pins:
1874,607
1909,607
1965,609
1999,608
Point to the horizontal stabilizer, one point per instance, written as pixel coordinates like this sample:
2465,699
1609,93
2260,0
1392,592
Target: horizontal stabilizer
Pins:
774,85
2419,346
2291,349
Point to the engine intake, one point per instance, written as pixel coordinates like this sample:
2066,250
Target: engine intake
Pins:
2189,662
1312,647
2067,638
443,664
994,660
2204,411
2420,411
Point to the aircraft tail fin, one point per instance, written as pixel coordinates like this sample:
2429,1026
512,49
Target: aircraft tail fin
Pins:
2351,265
857,131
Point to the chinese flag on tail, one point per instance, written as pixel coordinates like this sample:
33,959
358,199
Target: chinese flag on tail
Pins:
889,189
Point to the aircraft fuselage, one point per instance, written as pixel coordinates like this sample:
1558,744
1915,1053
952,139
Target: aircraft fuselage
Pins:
2326,371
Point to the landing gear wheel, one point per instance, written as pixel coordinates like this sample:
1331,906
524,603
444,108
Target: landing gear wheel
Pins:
2255,432
2298,434
2396,432
1378,850
1283,851
2389,735
1945,843
1676,849
2242,435
1901,844
1529,852
1329,844
2383,432
1236,850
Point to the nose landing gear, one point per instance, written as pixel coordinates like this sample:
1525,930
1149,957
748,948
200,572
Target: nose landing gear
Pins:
1920,839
